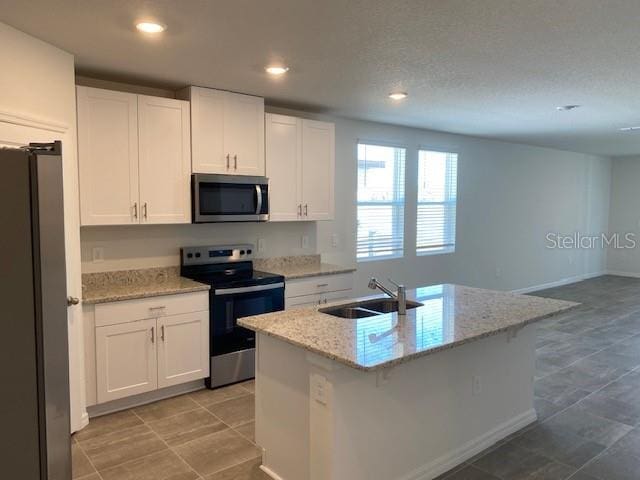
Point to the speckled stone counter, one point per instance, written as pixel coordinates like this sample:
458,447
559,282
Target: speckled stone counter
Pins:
103,287
300,266
451,315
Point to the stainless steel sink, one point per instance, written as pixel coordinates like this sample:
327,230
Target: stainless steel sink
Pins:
366,308
349,312
386,305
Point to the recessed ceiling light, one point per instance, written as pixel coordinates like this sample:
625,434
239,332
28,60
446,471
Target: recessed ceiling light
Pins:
566,108
150,27
629,129
398,95
276,70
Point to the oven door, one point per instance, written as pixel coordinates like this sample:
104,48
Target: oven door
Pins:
229,304
229,198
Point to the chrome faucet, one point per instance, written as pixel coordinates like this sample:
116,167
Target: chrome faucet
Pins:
400,296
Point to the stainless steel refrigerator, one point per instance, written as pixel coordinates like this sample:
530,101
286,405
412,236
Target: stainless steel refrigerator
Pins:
34,358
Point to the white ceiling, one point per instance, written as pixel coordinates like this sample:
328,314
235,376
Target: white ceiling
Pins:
491,68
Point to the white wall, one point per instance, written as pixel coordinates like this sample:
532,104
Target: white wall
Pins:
624,216
38,93
510,197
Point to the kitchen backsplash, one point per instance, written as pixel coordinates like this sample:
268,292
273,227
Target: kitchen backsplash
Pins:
146,246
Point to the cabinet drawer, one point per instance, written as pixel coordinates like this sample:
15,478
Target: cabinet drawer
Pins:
319,299
153,307
320,284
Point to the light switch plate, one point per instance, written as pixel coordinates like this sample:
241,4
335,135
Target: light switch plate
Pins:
305,241
262,245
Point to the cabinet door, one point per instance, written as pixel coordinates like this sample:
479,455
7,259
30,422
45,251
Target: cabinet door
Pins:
318,164
207,131
283,157
183,348
164,151
244,133
108,157
126,359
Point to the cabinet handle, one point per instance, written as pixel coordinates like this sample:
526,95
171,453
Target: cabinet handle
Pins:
72,301
323,285
144,210
306,210
228,161
300,210
162,332
135,210
153,334
325,300
235,162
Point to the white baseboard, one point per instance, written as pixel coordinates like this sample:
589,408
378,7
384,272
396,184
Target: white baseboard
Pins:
623,274
446,462
468,450
143,398
270,473
564,281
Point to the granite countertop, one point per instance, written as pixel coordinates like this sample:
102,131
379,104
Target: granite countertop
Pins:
103,287
451,315
300,266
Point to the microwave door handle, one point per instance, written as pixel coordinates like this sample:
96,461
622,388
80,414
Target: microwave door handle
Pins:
259,199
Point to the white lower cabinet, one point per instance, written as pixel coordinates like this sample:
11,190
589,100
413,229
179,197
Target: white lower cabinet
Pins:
134,354
183,349
126,359
319,290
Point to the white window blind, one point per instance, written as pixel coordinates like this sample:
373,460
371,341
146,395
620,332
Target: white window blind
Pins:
380,202
437,185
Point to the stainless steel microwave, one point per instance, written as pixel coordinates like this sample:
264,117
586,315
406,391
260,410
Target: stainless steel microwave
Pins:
229,198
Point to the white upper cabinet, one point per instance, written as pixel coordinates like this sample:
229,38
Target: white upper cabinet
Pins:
134,158
300,160
227,132
164,159
207,130
318,165
108,156
283,154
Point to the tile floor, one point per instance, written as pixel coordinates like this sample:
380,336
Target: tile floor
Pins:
206,435
587,396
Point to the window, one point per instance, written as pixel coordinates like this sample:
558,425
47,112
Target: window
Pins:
380,202
437,184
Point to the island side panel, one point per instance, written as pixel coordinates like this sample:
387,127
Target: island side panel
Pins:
282,408
421,418
318,419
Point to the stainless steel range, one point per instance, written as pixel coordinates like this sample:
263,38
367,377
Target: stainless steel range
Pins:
237,290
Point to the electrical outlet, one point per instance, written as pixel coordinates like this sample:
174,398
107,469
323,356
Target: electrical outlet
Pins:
319,389
262,245
334,240
97,255
476,385
305,241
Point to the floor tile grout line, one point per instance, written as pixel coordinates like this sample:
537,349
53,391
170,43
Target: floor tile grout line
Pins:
149,422
525,430
90,462
607,449
583,358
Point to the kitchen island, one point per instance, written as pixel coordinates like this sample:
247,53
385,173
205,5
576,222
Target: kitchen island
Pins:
389,396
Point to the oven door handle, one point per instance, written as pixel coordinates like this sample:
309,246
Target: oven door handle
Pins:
255,288
258,199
